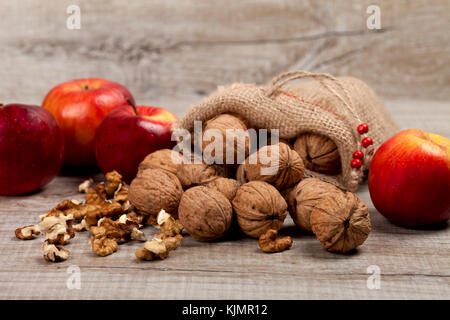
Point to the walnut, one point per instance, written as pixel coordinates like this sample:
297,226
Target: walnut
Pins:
120,230
153,190
283,171
318,152
221,124
240,174
102,245
341,222
85,186
168,225
82,226
58,228
228,187
137,235
26,233
67,207
192,174
158,247
139,219
205,213
130,228
269,243
113,182
97,195
259,207
161,159
304,197
121,194
105,210
54,253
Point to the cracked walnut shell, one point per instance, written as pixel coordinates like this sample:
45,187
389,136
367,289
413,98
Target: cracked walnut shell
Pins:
318,152
153,190
304,197
205,213
284,168
341,222
259,207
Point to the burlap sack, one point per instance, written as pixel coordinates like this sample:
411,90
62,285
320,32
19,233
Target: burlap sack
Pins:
333,107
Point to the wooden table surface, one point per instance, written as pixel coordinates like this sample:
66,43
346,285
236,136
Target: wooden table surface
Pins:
412,263
172,55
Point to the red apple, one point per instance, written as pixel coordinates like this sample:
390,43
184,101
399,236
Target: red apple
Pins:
127,135
31,148
409,178
79,106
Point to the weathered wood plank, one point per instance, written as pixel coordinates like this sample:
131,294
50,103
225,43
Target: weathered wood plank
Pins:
413,263
172,54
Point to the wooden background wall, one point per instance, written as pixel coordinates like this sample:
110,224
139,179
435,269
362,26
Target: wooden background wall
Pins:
172,53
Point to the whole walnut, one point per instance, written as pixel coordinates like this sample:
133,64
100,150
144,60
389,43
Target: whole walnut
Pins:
341,222
153,190
162,159
239,139
192,174
205,213
228,187
283,171
240,174
304,197
318,152
259,207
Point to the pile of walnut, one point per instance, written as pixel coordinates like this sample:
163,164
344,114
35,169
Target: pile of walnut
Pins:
110,218
207,198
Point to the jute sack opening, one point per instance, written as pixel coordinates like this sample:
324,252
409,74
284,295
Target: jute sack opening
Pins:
333,107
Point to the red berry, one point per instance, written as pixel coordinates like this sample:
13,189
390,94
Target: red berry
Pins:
356,163
358,155
363,128
367,141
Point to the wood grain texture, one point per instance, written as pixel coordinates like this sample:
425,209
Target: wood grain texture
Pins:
413,263
172,54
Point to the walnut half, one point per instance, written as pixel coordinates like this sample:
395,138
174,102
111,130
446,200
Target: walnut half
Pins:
54,253
26,233
269,243
159,247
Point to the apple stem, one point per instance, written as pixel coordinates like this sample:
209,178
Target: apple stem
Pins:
131,103
1,104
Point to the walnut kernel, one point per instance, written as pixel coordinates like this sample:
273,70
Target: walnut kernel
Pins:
269,243
54,253
26,233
